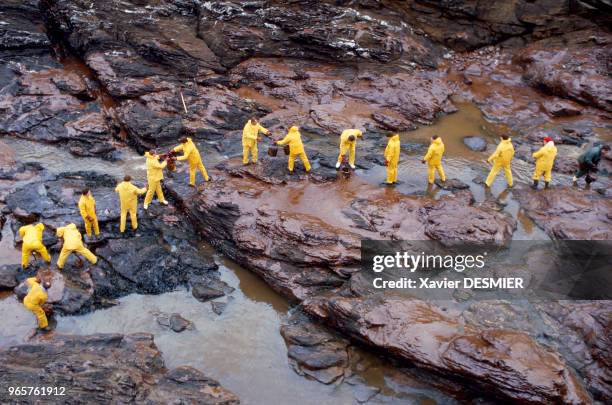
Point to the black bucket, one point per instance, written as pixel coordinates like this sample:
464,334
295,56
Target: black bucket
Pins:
287,149
273,151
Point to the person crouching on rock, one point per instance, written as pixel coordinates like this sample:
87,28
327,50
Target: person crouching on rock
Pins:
87,208
588,162
128,199
250,137
501,159
545,159
35,298
32,237
433,158
192,155
155,174
296,148
348,143
392,154
73,243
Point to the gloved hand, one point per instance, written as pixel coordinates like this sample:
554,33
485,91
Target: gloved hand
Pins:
423,161
386,163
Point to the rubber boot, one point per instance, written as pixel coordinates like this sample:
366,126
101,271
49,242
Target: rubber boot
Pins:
546,184
535,184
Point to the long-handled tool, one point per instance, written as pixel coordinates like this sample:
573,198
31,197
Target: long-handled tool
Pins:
183,100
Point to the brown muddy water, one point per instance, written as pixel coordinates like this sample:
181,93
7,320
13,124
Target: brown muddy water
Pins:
243,348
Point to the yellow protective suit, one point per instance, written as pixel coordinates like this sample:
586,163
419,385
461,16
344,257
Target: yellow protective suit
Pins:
128,197
250,133
296,148
348,147
155,174
545,159
392,154
501,158
434,160
73,243
192,156
87,208
32,242
34,300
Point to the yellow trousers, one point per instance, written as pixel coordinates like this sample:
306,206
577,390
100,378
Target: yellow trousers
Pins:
82,250
431,173
90,224
303,158
249,145
495,169
351,152
202,169
123,218
40,314
539,172
154,188
392,172
27,249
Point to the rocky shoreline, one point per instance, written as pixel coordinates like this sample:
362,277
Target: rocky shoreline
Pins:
92,77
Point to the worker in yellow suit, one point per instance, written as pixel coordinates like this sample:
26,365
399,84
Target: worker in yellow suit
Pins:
296,148
545,159
348,142
87,208
128,198
392,154
73,243
501,158
31,235
192,156
250,136
155,174
433,158
34,300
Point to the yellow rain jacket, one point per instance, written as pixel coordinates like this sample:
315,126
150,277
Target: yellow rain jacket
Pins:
294,139
32,242
73,242
34,300
501,158
296,148
251,132
503,154
348,147
192,155
392,154
155,168
545,159
128,197
87,208
128,194
435,152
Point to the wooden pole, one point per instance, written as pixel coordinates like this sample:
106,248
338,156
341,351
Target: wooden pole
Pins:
183,100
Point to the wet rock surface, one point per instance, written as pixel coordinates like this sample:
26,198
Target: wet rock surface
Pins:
569,212
125,69
107,368
158,257
509,362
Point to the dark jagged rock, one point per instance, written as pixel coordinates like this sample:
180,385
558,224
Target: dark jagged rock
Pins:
8,276
174,322
475,143
107,368
574,71
313,351
321,30
508,363
469,25
569,212
159,257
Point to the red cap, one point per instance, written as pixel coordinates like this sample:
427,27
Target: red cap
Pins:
548,139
